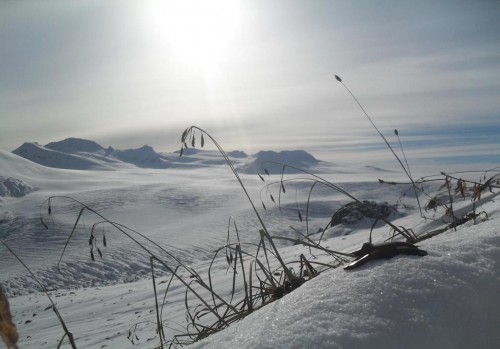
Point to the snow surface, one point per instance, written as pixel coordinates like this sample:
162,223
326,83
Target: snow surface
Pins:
447,299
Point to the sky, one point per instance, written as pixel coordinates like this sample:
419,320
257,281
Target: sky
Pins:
256,74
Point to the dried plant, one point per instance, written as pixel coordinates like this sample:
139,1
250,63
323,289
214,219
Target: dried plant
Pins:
405,169
8,330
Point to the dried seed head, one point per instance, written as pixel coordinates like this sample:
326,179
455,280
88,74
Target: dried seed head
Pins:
300,216
267,172
193,142
338,78
396,132
272,198
264,205
202,140
104,239
283,187
261,178
182,151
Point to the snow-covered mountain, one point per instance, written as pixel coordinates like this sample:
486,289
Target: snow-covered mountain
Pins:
272,161
144,157
54,158
75,145
82,154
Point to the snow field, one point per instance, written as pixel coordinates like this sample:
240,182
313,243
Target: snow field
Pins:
447,299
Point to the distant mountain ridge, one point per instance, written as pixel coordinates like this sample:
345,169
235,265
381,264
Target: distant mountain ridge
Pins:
273,161
81,154
54,158
75,145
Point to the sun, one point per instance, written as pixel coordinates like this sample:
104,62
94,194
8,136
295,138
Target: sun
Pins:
198,32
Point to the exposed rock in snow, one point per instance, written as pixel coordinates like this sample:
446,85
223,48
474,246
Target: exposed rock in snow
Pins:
354,212
14,187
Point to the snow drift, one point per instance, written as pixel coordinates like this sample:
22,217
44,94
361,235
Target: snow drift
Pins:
447,299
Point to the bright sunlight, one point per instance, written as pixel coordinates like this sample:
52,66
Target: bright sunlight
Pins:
198,31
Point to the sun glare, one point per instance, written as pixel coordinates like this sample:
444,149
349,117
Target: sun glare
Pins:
198,31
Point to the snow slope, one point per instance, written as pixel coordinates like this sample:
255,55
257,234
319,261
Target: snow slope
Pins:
447,299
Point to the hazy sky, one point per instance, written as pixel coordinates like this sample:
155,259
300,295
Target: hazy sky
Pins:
257,74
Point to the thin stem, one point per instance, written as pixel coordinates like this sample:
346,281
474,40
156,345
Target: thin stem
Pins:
63,324
233,169
385,140
158,322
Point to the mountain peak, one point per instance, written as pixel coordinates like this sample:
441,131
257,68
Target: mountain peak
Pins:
272,161
74,145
